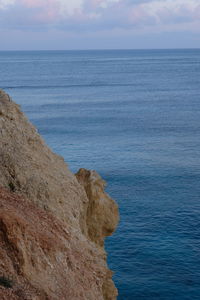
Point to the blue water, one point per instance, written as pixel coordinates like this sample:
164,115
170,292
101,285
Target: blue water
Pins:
134,116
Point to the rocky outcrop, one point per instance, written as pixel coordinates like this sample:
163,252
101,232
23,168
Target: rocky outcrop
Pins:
52,223
100,212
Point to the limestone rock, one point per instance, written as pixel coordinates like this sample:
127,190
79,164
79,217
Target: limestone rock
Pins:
101,212
52,223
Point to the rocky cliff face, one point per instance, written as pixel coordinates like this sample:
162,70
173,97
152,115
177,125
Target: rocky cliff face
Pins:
52,223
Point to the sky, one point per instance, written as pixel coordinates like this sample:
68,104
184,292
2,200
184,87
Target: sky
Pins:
99,24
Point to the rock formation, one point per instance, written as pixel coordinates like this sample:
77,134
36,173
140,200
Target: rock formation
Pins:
52,223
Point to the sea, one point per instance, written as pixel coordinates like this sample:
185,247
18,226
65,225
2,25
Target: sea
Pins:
134,117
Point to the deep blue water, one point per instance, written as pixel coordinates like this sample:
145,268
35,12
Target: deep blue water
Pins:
134,116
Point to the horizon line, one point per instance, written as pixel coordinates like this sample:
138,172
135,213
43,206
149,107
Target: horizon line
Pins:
100,49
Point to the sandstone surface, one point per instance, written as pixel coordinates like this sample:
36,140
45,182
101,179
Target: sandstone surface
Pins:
52,223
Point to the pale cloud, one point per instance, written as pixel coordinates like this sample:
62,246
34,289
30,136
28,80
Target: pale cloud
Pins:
105,3
6,3
166,11
98,14
70,7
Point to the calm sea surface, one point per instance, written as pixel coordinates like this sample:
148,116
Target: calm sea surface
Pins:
134,116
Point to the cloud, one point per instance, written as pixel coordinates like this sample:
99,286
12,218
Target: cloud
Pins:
168,11
94,15
6,3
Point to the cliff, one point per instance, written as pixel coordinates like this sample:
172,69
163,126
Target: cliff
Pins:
52,223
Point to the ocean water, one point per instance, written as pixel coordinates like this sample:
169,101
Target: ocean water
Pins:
134,116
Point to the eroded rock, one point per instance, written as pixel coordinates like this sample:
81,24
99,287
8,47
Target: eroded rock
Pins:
52,223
